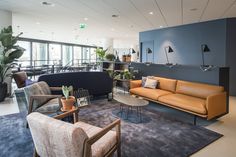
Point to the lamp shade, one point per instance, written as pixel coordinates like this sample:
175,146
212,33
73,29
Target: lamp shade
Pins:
205,48
170,50
149,50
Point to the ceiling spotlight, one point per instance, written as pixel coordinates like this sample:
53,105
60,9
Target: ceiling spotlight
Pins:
193,9
48,4
160,26
86,19
38,23
115,16
151,13
112,29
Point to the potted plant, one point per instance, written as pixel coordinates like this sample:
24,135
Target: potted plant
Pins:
110,57
101,53
67,101
9,52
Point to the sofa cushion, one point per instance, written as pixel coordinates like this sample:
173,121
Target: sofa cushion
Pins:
151,83
185,102
148,92
104,144
166,84
52,106
199,90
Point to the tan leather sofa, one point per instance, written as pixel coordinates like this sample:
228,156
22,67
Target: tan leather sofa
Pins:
208,101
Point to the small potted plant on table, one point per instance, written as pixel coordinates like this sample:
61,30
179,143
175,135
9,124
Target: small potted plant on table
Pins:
67,101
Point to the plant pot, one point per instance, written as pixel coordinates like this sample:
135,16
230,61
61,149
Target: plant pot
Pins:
123,58
3,91
67,104
128,58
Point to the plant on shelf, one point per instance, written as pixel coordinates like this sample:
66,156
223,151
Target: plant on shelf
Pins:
67,101
127,74
9,52
101,53
110,57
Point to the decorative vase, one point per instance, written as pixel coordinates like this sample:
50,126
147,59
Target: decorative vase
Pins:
67,104
3,91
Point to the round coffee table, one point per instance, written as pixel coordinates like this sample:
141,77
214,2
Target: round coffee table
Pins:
131,102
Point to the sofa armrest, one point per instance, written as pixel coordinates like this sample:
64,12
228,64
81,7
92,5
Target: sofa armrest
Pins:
216,105
135,83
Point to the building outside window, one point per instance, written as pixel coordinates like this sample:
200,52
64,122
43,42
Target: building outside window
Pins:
54,54
67,56
39,54
93,55
86,55
77,55
25,59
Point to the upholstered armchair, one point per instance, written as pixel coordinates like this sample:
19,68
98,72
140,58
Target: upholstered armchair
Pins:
40,99
56,138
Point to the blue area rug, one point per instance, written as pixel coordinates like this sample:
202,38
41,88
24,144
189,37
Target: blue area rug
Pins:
158,135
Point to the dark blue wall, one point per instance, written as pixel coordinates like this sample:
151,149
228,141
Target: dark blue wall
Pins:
186,42
231,53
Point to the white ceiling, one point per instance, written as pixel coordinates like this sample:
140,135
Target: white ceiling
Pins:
61,22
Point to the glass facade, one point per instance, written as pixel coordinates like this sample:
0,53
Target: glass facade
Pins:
53,53
24,60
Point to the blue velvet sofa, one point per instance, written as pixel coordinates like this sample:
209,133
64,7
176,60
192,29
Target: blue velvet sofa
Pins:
97,83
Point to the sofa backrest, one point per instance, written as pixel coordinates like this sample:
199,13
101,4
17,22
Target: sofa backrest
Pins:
166,84
97,83
199,90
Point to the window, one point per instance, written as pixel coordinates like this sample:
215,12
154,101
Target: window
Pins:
86,55
54,53
93,55
25,59
77,55
67,58
39,54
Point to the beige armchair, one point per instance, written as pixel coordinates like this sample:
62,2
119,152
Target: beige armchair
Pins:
40,99
55,138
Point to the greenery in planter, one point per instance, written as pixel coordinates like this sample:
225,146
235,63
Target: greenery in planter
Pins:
66,91
9,52
110,57
101,53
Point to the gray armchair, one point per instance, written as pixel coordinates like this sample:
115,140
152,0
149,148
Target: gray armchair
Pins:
40,99
57,138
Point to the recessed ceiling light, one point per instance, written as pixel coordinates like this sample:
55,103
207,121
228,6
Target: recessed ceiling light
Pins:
86,19
48,4
38,23
115,16
193,9
151,13
112,29
160,26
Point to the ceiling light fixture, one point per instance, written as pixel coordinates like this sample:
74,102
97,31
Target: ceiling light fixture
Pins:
48,4
38,23
151,13
112,29
160,26
115,16
193,9
86,19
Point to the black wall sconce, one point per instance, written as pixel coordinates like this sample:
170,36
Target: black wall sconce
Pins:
148,50
204,67
168,49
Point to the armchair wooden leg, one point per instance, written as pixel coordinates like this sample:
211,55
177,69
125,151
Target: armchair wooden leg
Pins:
119,150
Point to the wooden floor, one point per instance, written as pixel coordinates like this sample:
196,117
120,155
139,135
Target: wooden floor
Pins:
224,147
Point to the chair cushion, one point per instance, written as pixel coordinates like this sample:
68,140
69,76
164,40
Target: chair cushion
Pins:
149,93
185,102
51,106
104,144
40,88
55,138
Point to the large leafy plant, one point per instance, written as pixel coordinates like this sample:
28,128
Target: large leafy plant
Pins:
9,51
101,53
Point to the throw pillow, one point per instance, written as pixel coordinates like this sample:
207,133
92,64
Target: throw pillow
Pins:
150,83
144,80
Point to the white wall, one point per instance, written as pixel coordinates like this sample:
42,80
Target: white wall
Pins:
5,18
